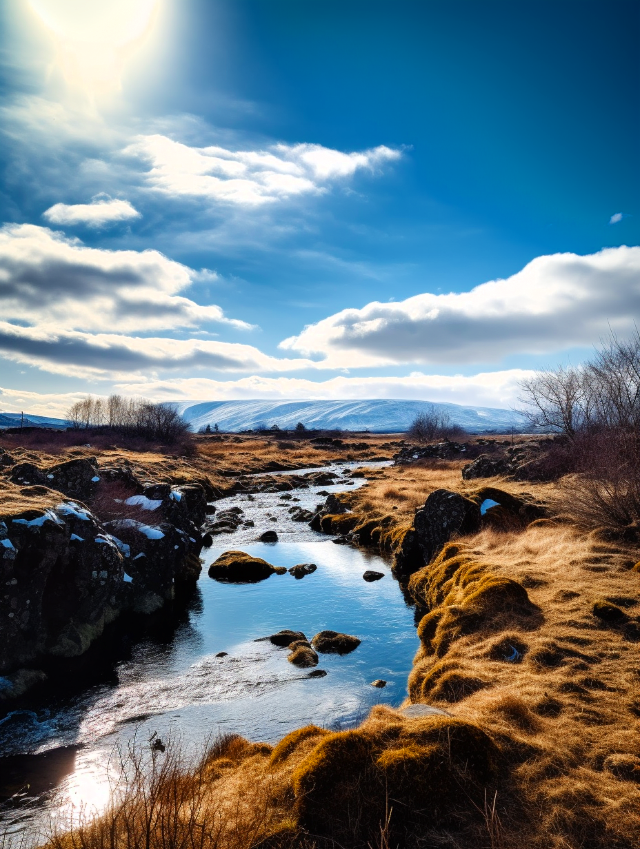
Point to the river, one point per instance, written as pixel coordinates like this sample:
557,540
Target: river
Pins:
57,752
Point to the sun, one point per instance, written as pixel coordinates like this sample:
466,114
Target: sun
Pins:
93,38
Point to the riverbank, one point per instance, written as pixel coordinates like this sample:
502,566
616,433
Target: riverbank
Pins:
521,723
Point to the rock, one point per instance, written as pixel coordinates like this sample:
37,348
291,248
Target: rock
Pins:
302,569
334,505
486,466
286,637
608,612
62,576
343,540
237,567
443,515
317,673
77,478
303,655
20,682
268,536
333,642
438,450
379,683
370,575
27,474
222,654
298,514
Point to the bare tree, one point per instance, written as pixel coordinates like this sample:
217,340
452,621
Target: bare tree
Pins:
134,416
433,424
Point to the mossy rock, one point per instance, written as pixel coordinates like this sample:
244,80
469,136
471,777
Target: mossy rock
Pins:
285,637
303,655
338,523
608,612
237,567
333,642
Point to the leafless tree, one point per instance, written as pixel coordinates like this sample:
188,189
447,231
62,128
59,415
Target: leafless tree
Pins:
433,424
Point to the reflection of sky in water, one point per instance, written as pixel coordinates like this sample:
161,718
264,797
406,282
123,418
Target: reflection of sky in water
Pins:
181,689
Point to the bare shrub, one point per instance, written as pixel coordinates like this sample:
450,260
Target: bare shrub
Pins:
130,416
432,425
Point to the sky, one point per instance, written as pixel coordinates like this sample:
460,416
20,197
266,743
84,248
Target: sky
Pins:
291,199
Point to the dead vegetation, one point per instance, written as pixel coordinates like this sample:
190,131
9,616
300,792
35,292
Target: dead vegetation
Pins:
529,635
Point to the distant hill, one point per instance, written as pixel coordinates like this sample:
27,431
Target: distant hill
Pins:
14,419
377,416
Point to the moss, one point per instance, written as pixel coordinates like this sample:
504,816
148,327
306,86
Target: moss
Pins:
303,656
287,746
338,523
237,567
332,642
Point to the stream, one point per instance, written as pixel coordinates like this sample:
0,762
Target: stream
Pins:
57,752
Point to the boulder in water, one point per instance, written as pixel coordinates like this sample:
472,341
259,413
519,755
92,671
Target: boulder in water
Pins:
237,567
334,642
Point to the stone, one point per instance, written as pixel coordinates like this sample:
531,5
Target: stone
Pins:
237,567
222,654
303,656
268,536
317,673
379,683
285,638
302,569
445,514
370,575
334,642
486,466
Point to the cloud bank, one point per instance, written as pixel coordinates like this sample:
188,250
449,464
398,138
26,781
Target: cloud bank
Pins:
249,177
556,302
52,282
99,213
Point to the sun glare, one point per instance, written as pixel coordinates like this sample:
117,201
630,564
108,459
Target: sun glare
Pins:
94,38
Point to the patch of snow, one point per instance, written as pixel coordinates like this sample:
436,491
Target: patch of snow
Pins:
50,477
70,508
122,546
127,578
76,538
148,530
47,516
174,495
95,479
7,544
144,502
138,556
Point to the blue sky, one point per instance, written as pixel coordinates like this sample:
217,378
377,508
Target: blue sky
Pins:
307,198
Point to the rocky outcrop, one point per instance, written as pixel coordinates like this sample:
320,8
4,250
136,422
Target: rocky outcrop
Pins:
486,466
445,514
302,569
436,451
66,574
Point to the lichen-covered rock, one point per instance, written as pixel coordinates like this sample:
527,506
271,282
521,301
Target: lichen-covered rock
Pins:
444,515
302,655
285,637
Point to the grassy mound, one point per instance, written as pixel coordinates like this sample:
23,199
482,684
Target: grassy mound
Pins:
431,770
332,642
237,567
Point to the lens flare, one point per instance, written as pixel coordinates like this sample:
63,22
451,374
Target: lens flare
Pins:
94,38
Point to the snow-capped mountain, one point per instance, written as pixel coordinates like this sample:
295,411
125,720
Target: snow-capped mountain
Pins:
382,416
14,420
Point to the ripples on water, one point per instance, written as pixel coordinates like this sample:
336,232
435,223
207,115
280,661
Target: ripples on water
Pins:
171,683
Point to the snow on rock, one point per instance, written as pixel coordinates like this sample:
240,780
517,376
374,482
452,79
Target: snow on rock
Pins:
38,522
144,502
70,508
148,530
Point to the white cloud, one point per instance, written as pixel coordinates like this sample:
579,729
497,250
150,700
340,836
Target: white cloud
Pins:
111,356
56,283
99,213
554,303
616,217
487,389
246,177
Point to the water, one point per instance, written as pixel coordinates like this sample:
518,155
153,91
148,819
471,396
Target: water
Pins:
169,682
